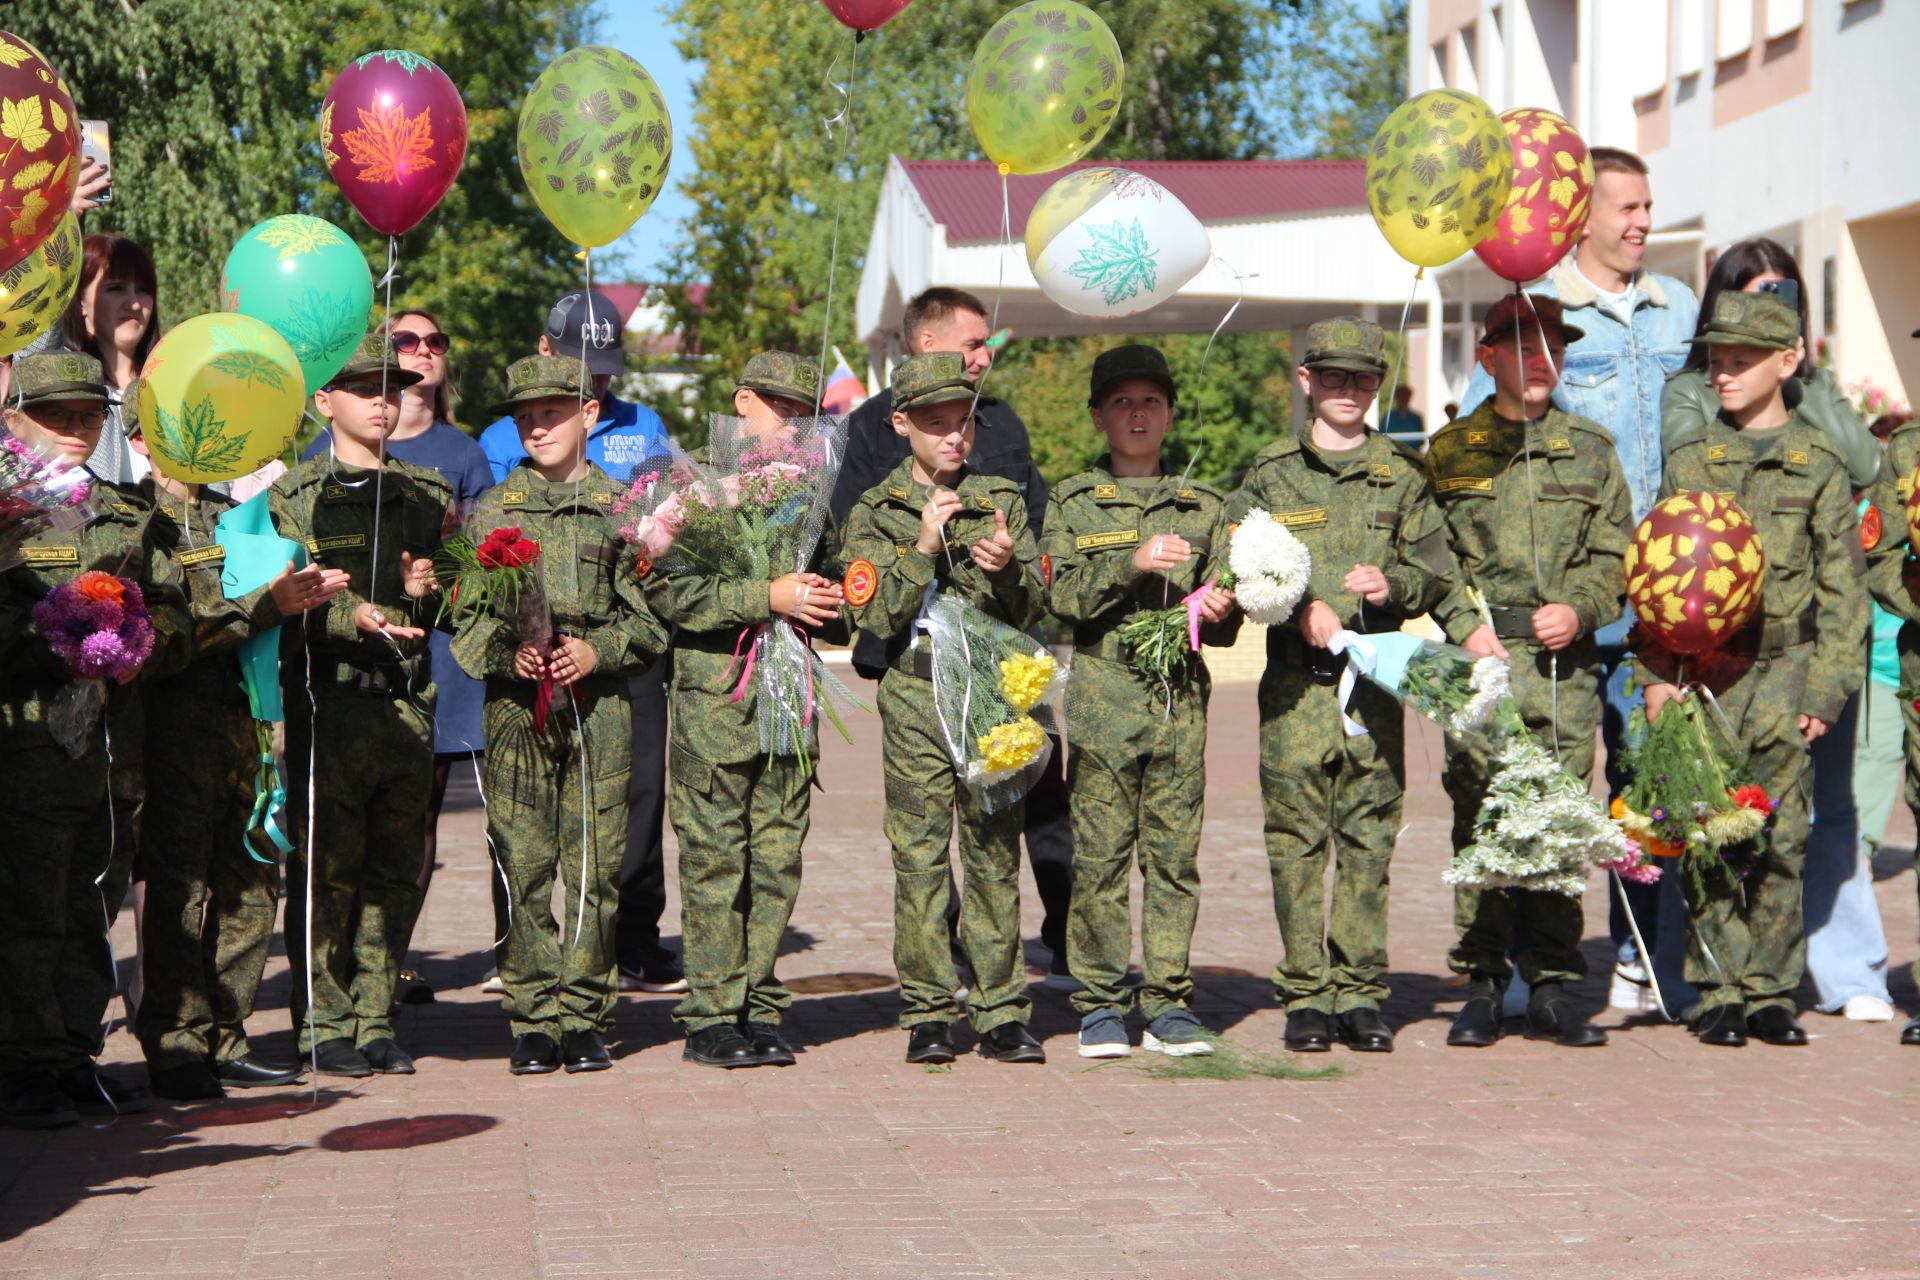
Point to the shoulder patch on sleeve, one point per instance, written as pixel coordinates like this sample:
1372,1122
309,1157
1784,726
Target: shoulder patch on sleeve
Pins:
860,582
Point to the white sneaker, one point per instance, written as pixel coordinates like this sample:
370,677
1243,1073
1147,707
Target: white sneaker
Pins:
1631,988
1867,1009
494,985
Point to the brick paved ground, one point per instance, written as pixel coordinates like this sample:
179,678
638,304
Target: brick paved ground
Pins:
1652,1157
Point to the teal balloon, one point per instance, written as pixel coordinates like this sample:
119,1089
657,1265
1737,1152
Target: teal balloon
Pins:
307,280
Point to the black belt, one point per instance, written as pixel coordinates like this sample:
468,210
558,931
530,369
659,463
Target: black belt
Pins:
386,679
916,659
1320,665
1512,621
1773,637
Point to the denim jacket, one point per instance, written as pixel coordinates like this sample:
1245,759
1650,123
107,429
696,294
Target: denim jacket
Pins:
1614,374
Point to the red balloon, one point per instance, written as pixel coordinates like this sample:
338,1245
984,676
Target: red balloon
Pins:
1695,571
39,150
1548,203
394,133
866,15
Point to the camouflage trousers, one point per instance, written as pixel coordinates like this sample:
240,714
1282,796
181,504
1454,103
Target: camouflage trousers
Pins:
1909,645
1326,797
740,827
923,792
554,813
372,764
1136,783
210,906
65,865
1748,944
1559,700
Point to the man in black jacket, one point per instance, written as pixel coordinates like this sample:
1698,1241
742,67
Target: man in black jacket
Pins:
942,319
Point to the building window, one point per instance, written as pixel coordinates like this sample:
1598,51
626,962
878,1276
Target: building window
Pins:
1784,16
1733,30
1690,37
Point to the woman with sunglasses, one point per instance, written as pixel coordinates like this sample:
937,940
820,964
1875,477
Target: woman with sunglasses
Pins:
1846,942
425,435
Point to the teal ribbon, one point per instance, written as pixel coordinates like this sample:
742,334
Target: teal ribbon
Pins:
256,553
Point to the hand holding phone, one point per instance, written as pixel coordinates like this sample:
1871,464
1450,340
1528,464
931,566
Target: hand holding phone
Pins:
95,185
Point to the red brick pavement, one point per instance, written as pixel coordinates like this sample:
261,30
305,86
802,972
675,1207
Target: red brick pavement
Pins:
1651,1157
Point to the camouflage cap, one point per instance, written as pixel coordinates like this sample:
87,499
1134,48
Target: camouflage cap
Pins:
542,378
930,379
1134,360
373,354
1346,342
1534,310
1752,320
58,375
782,373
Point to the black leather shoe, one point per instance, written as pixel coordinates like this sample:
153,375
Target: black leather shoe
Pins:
1309,1031
769,1044
583,1051
1724,1024
93,1093
1477,1025
931,1042
386,1057
34,1101
250,1072
1552,1013
1911,1034
340,1058
1011,1042
188,1082
1364,1031
534,1054
1776,1024
721,1046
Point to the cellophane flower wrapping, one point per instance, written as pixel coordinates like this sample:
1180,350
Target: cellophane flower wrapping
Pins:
1462,692
1270,568
38,492
99,628
753,511
494,568
1690,794
996,692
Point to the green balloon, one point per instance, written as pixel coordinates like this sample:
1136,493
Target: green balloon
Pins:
307,280
595,142
1045,86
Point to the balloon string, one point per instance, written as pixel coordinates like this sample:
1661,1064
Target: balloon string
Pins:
1000,285
839,191
386,362
1393,386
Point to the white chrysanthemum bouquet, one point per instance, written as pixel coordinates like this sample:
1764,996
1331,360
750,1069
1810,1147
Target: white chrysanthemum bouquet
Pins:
1270,568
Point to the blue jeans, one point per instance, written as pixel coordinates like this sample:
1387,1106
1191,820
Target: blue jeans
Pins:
1846,944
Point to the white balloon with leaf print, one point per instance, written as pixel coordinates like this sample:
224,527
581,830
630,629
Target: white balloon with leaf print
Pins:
1112,243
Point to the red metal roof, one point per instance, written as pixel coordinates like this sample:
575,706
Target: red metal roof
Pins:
964,195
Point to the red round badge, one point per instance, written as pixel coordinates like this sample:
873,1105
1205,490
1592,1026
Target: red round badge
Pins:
860,582
1046,568
1870,528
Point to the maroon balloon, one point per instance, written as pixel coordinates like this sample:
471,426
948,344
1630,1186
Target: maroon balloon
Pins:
394,133
866,15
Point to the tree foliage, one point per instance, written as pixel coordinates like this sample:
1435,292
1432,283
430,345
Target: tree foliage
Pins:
213,109
1346,71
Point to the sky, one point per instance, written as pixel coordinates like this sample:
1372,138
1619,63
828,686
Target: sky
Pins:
639,28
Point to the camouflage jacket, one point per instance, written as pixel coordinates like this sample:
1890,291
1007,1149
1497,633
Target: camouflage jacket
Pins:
1371,506
1893,574
120,541
1562,543
330,508
1095,523
889,578
1796,492
589,578
184,531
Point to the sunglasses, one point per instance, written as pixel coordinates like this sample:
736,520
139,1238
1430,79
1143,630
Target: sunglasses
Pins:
1335,379
1786,290
407,342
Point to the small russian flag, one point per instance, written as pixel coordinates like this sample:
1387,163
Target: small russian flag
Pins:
844,388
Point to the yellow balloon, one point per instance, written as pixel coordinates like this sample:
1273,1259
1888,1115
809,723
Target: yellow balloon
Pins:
220,397
1045,86
1437,175
35,291
595,142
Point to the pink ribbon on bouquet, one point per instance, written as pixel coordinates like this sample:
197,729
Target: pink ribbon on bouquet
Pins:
749,652
1192,602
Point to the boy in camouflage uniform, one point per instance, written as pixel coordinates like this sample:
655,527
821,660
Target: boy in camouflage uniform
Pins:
740,813
1360,503
1785,677
1538,515
55,807
557,795
1122,539
210,906
359,717
934,526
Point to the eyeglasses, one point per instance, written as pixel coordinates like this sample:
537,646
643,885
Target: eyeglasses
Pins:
407,342
69,420
1335,379
367,390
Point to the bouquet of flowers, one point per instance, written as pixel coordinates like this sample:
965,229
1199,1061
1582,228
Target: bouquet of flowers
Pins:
753,511
1690,795
98,626
1539,827
995,692
36,493
1162,642
1269,568
500,574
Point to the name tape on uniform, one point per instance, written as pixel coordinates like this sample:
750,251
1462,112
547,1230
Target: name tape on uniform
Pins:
1477,484
1301,519
1096,541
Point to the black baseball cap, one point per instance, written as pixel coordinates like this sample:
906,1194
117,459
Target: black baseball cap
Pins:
587,326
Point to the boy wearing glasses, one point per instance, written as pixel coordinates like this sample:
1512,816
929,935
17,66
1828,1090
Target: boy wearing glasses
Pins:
1538,516
1361,505
366,730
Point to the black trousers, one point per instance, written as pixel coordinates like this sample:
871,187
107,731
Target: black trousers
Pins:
1049,833
643,872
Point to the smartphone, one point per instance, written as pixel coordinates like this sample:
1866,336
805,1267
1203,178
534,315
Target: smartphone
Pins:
96,143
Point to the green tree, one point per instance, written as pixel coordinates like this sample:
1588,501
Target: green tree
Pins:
1346,71
213,108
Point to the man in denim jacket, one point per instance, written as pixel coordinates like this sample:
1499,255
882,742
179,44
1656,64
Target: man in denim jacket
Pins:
1638,325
